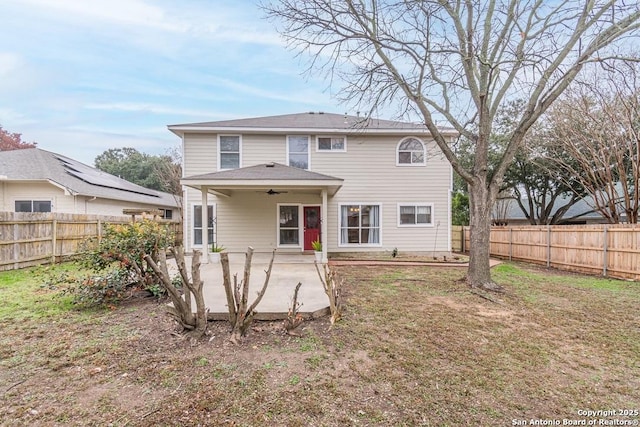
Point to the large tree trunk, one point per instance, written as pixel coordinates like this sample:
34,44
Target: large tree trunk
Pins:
480,207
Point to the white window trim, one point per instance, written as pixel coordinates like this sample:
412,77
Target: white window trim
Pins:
300,244
308,149
416,204
192,226
424,153
32,199
359,245
239,148
318,150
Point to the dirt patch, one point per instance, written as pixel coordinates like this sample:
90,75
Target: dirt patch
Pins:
415,347
476,309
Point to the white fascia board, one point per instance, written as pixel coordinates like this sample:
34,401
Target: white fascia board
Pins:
67,190
332,186
180,130
252,183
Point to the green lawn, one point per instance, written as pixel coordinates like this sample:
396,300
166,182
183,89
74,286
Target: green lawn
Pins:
415,347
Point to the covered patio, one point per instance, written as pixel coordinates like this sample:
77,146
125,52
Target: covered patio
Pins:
247,199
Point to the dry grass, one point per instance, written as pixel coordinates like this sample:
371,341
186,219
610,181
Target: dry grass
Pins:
414,348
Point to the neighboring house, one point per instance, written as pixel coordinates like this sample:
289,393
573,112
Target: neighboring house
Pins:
284,181
35,180
507,212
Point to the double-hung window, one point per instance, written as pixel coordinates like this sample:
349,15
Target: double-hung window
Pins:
415,215
33,205
298,151
332,143
229,152
360,224
411,152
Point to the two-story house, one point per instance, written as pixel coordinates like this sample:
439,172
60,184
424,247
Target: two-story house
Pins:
355,184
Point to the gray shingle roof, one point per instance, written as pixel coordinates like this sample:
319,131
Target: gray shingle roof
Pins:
265,172
36,164
309,120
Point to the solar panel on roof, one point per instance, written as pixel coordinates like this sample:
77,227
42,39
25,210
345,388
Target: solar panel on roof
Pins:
102,179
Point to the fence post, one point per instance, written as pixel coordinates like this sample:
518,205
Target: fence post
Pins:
16,245
464,236
605,255
54,239
510,243
548,246
99,230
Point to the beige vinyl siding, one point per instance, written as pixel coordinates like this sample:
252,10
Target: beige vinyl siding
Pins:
370,175
38,191
250,218
114,207
201,157
259,149
200,154
67,203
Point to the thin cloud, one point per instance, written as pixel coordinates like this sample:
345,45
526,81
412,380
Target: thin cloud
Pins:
124,12
148,108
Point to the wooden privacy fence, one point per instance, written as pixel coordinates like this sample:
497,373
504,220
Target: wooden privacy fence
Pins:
457,234
28,239
612,250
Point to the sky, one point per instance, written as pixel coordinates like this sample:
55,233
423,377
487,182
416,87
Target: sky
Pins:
82,76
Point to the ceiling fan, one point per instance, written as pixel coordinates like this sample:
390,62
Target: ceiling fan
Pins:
271,192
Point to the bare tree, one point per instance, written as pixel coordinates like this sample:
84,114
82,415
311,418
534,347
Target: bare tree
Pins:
240,312
181,309
598,123
458,61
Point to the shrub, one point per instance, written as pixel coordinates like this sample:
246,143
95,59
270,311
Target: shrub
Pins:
106,289
118,260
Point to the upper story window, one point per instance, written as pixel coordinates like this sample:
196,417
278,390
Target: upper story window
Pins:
298,151
33,205
411,152
332,143
229,151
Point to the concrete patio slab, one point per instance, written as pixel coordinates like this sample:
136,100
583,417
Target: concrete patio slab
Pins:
287,271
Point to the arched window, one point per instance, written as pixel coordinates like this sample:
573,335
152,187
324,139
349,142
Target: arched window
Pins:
411,152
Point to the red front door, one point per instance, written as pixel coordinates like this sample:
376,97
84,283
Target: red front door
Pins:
311,226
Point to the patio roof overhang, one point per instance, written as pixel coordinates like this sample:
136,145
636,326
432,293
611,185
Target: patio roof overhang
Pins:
269,176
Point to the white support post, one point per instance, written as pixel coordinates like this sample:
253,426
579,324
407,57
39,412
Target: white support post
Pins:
205,225
323,226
